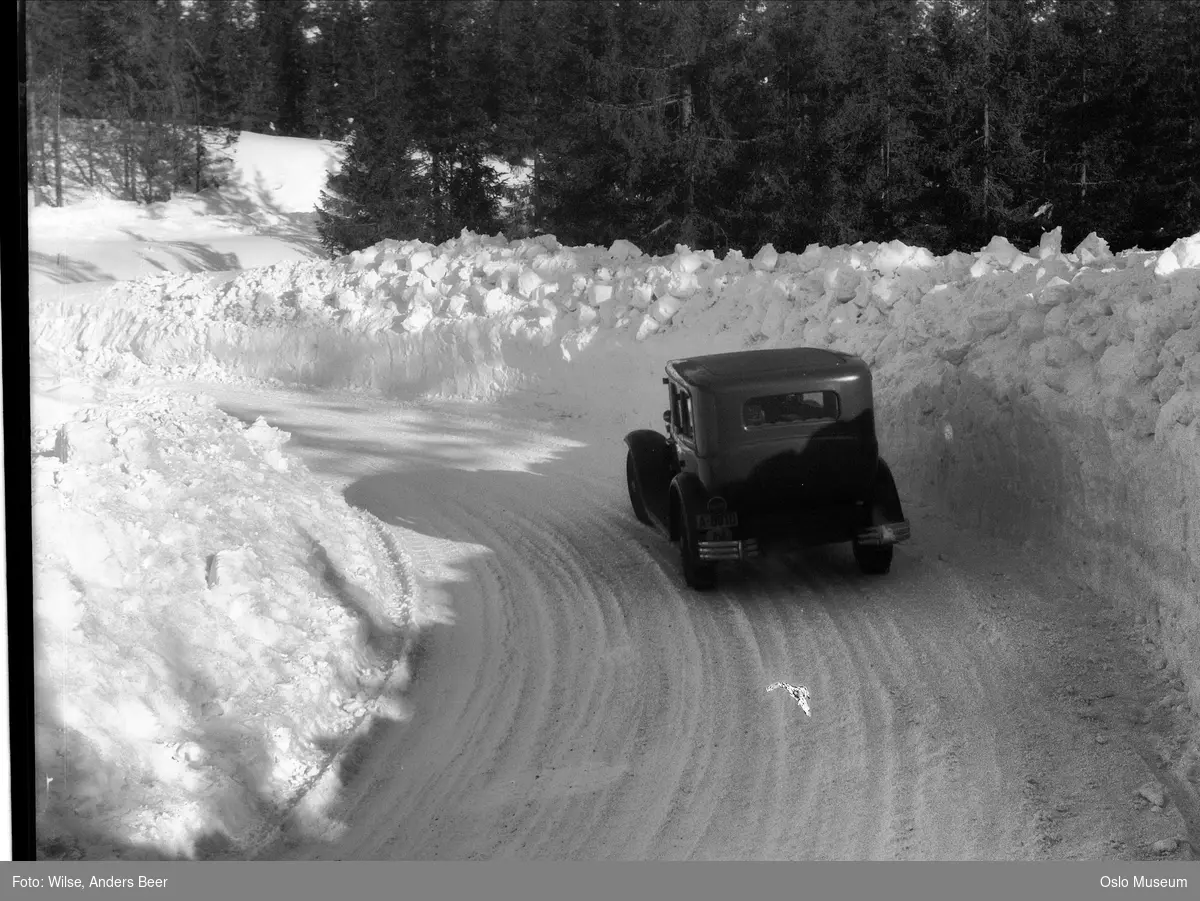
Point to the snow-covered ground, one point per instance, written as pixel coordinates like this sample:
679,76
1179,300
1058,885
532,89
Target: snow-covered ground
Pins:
213,621
262,215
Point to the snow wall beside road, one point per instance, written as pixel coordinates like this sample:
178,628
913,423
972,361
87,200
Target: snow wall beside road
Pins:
1041,396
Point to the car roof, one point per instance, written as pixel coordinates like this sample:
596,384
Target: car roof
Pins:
757,366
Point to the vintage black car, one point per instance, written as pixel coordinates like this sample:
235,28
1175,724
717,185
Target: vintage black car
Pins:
764,447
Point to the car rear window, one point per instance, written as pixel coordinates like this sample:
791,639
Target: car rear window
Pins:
780,409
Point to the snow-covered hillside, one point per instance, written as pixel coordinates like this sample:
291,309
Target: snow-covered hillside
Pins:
264,213
1046,394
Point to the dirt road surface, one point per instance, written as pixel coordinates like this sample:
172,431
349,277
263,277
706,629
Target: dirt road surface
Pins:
571,699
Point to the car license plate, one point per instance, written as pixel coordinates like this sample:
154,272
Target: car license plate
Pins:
717,520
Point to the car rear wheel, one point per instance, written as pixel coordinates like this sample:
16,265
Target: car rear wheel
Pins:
635,492
874,559
700,576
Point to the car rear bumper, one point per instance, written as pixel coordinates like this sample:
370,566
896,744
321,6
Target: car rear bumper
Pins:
728,550
889,533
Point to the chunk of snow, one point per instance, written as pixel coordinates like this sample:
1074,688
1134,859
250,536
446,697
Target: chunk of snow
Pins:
842,283
419,260
1055,292
624,250
980,268
496,301
1187,252
988,323
647,327
665,308
418,317
1093,249
527,282
1168,263
1050,244
1000,252
599,293
766,258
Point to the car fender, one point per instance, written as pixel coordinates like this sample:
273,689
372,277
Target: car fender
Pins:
646,442
688,494
652,464
885,495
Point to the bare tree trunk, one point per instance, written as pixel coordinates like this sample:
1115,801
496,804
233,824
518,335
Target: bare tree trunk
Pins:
37,152
91,157
987,159
435,157
1191,132
435,190
130,164
535,199
35,146
1191,193
45,152
535,194
885,151
199,145
42,169
689,219
1083,170
885,157
987,115
58,180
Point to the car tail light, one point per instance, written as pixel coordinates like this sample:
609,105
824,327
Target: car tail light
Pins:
717,505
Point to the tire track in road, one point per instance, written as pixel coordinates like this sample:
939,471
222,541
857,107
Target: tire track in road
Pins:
703,799
878,752
540,620
859,744
579,686
769,622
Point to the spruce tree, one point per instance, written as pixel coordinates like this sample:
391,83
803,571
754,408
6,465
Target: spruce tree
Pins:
379,191
1160,177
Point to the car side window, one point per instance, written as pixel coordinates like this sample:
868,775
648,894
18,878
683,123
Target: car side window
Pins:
683,413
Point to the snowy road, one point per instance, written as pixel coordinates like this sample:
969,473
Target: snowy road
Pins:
571,699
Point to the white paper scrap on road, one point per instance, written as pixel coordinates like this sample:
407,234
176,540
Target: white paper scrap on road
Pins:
799,692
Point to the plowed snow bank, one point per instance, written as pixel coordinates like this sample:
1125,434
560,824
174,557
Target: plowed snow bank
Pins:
1047,396
210,622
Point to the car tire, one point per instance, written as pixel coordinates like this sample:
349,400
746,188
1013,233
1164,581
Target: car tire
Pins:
697,575
874,559
635,491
